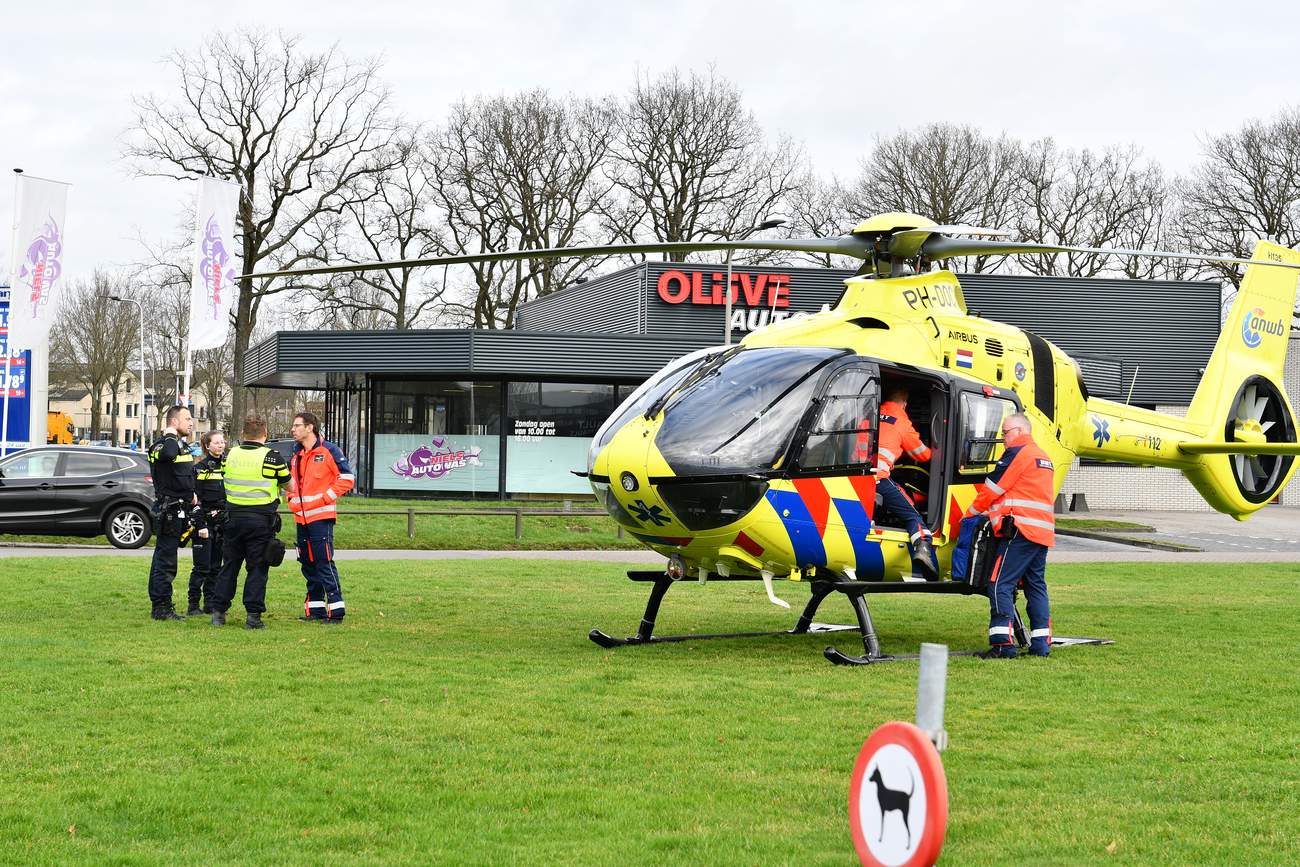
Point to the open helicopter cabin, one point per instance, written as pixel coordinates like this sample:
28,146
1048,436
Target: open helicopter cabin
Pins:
496,413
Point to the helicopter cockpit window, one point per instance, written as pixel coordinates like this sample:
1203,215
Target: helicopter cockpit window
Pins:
740,418
981,426
646,395
844,434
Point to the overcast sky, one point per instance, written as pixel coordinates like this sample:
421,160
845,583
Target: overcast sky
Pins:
831,74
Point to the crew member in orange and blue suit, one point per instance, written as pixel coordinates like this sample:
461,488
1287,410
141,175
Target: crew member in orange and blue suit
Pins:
898,438
1017,497
319,474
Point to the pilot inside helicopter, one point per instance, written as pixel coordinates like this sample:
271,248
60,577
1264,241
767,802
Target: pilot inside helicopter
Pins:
899,439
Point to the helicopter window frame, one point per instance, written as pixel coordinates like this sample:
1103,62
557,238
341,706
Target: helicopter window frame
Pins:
965,471
808,426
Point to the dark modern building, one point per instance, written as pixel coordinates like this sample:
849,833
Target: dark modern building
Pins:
511,413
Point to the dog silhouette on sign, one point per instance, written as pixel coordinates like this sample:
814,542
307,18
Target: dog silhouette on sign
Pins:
891,800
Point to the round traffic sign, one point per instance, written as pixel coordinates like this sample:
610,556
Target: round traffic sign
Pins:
898,798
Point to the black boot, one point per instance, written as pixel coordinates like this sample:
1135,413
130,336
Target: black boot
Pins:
254,621
194,610
218,618
923,559
166,614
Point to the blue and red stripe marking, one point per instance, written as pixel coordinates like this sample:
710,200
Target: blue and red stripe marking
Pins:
804,512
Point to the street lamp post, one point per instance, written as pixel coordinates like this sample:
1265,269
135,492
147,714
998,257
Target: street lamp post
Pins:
140,415
766,224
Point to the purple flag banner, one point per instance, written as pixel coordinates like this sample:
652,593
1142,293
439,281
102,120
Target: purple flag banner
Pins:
213,281
37,280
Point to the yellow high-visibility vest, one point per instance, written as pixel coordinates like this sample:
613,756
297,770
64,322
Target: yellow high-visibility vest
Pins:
246,482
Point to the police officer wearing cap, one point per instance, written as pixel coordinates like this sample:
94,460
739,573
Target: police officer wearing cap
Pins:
209,532
172,467
254,475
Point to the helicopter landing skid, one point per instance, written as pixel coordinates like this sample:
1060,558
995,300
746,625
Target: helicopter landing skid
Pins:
856,591
645,632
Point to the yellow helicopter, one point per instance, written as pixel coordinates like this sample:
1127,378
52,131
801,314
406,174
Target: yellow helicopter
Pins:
746,462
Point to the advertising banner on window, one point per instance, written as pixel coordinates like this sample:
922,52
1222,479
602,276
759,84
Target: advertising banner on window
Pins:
538,462
421,463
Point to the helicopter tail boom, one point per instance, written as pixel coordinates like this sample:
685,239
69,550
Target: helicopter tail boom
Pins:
1237,444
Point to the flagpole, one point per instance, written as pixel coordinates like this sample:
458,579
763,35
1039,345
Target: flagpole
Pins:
9,329
189,368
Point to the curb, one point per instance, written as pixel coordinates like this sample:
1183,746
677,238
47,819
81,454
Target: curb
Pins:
1129,540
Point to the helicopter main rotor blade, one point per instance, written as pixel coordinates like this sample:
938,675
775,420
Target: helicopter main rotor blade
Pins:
908,243
943,247
844,245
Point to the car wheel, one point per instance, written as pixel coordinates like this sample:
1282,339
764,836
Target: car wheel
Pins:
127,526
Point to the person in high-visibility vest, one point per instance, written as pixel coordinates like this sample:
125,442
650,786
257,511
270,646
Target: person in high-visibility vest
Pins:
319,474
210,531
1017,497
898,438
253,476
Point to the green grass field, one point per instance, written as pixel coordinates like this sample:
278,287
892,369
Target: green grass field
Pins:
445,532
461,716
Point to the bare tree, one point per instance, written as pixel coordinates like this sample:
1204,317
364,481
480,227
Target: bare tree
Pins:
692,163
212,379
948,173
93,341
389,220
1110,198
297,131
818,209
521,171
1246,188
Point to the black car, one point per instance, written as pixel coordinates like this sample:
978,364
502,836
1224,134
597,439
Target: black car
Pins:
77,491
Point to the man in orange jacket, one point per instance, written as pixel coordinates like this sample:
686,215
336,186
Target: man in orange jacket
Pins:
898,438
319,474
1017,496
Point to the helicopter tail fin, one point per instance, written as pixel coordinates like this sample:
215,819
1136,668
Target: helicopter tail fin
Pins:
1249,448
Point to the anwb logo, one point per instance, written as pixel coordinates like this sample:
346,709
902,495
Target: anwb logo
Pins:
1255,326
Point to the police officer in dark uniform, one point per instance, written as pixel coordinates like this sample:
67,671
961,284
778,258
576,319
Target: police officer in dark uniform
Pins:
209,531
172,468
254,475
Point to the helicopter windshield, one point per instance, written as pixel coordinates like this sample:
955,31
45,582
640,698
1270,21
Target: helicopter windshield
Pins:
650,392
740,417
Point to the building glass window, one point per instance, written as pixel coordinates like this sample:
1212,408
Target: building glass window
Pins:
437,437
549,427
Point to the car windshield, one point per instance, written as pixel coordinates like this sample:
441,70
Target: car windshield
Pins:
741,416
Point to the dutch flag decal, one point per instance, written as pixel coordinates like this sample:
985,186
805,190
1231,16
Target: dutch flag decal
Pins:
965,358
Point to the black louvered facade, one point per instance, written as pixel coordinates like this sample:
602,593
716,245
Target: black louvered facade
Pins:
615,331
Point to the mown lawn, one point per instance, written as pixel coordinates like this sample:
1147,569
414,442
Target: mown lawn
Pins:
461,716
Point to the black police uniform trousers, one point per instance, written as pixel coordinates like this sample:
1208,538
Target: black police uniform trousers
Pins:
207,564
162,571
247,533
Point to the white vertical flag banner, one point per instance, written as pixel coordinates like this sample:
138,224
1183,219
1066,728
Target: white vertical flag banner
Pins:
212,285
35,284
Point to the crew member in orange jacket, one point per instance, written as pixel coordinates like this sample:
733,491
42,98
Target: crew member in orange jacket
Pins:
1017,496
319,474
899,438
